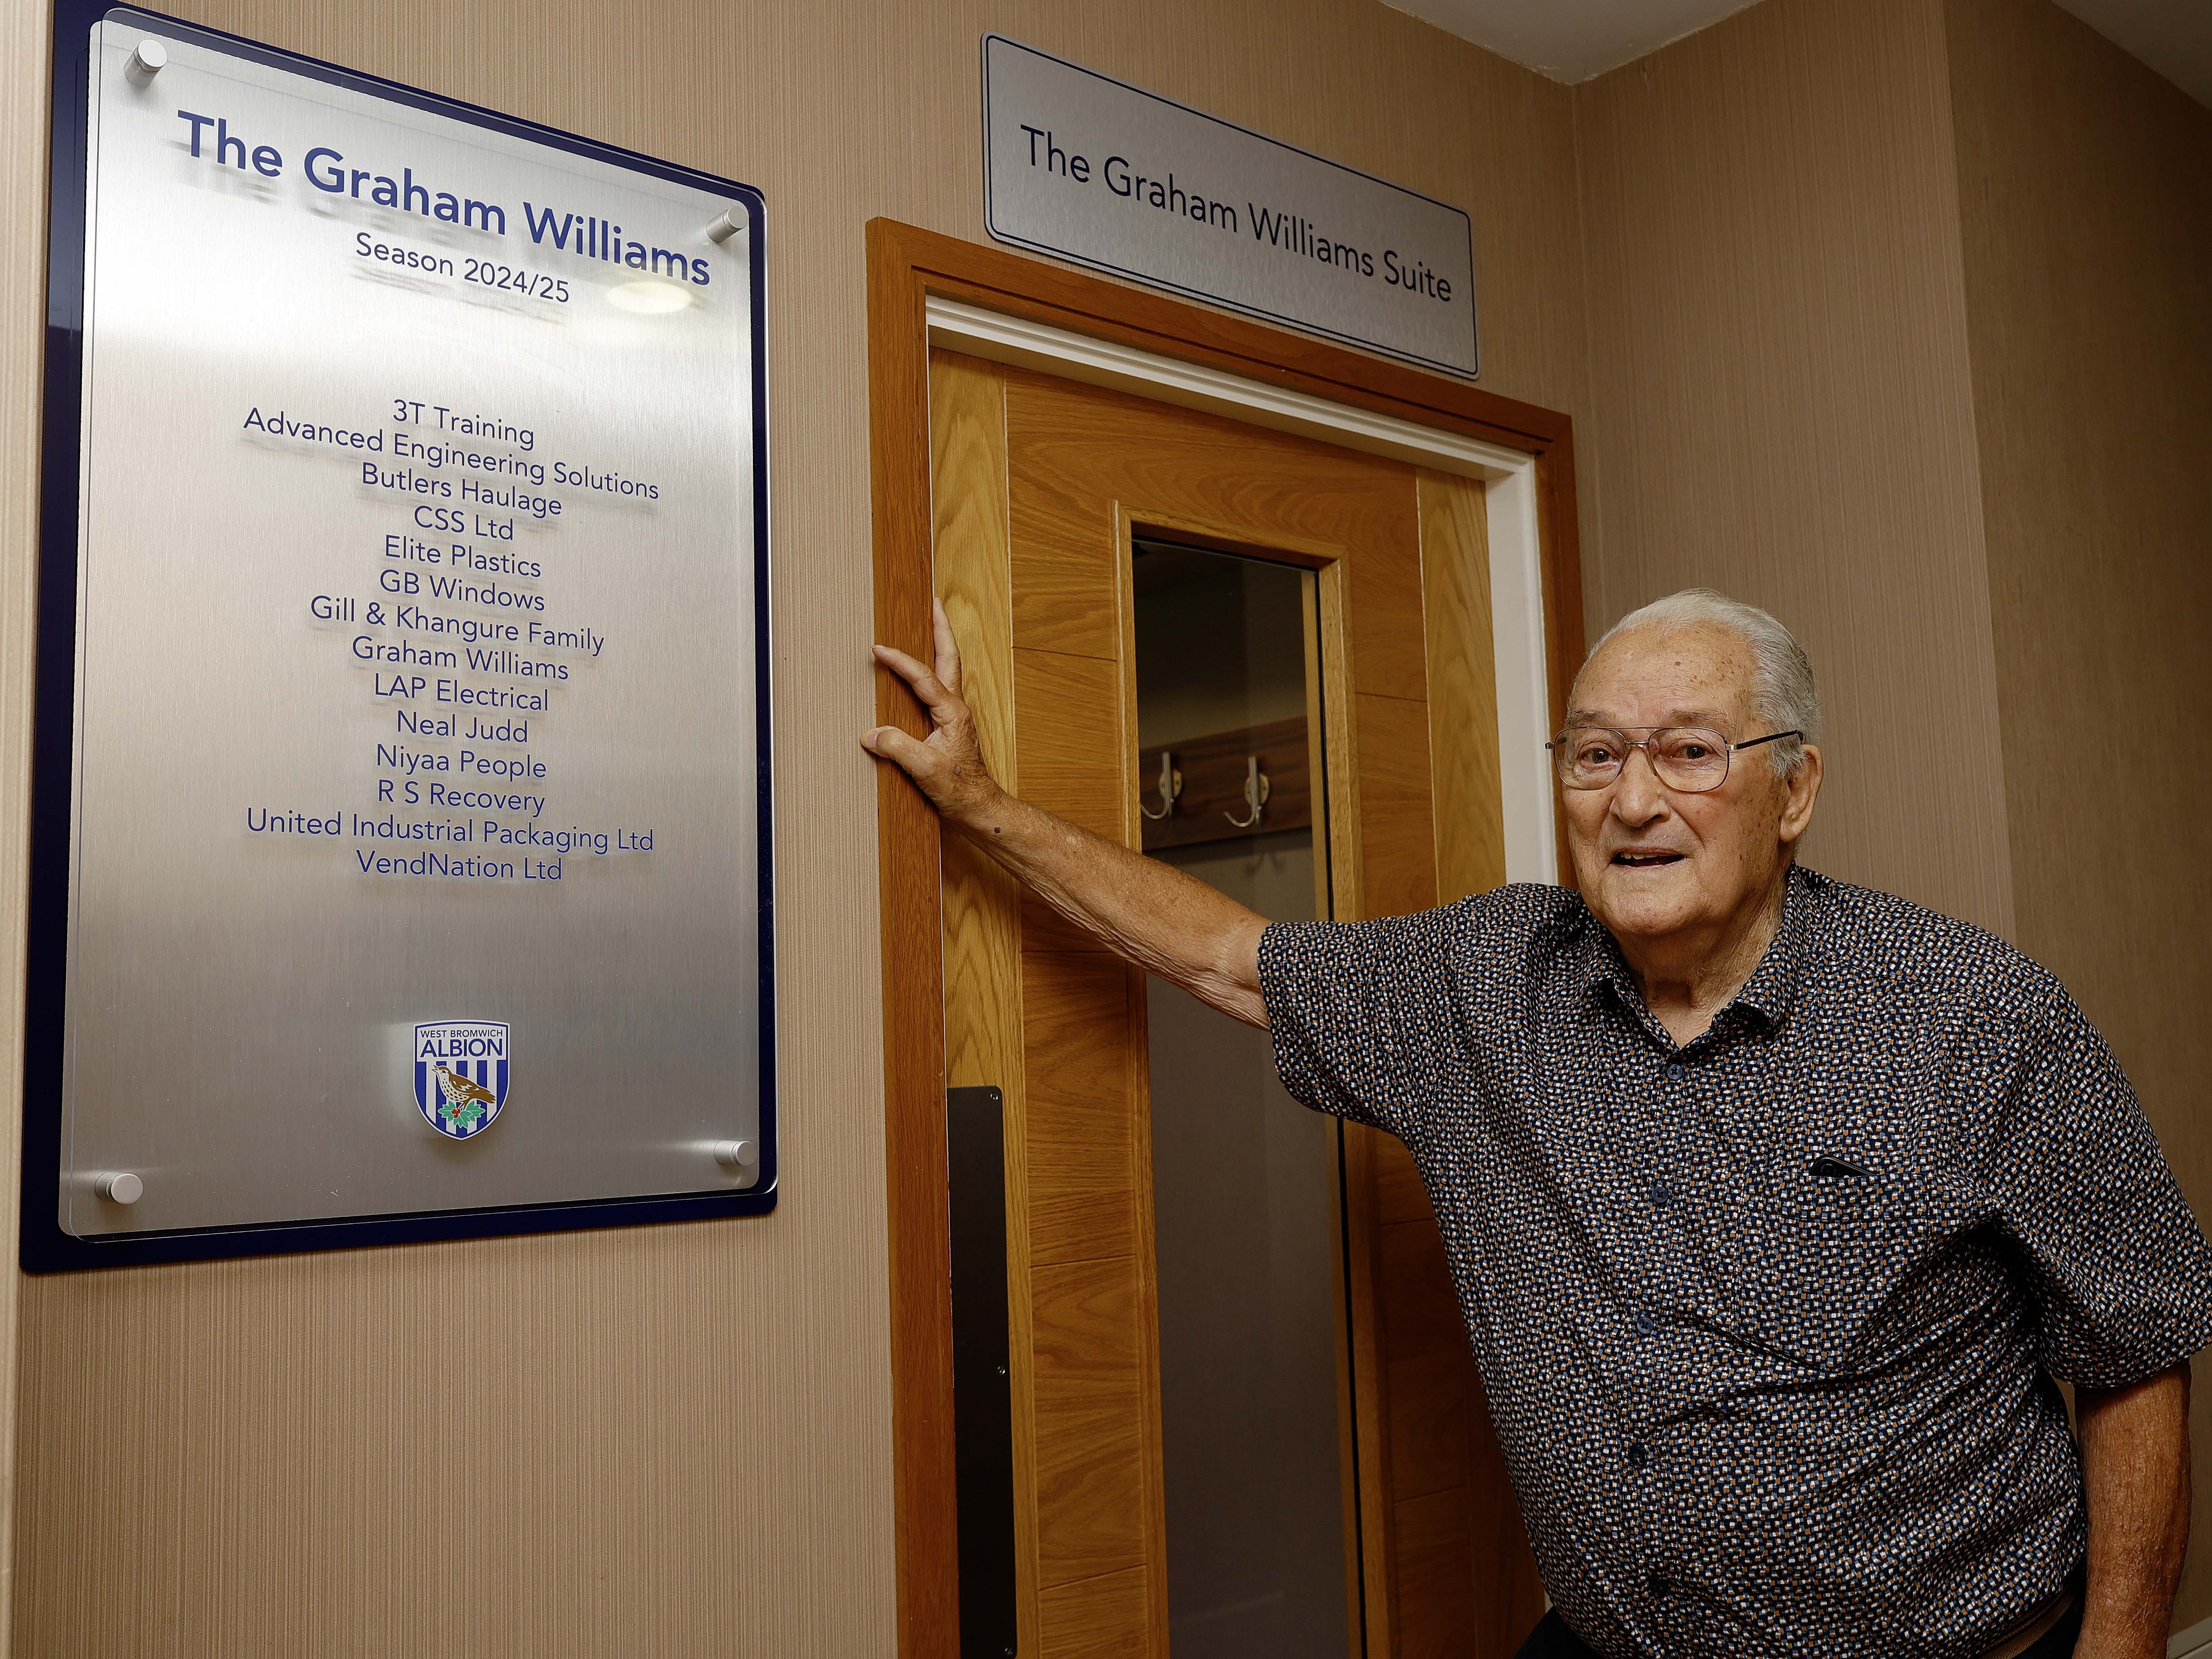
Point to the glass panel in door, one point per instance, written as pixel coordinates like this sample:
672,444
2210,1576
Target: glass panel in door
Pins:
1252,1372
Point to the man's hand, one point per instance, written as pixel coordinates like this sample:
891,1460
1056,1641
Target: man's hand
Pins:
1162,920
2135,1468
948,766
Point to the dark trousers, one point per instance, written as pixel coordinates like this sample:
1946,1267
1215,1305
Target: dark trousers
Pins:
1554,1639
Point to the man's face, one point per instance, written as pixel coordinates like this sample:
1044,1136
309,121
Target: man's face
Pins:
1652,861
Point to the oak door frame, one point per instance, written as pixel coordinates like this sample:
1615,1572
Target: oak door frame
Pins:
907,267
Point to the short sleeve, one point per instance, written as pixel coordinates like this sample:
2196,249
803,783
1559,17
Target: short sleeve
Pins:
2119,1269
1360,1011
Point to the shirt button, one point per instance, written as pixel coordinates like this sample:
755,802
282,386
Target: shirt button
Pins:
1645,1324
1638,1454
1658,1583
1661,1195
1673,1073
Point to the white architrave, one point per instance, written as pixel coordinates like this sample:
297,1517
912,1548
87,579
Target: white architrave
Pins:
1516,579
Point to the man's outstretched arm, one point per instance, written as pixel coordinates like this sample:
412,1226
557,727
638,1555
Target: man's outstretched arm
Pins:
1157,917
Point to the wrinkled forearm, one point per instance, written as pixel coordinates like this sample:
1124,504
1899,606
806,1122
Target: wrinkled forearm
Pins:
2135,1471
1151,912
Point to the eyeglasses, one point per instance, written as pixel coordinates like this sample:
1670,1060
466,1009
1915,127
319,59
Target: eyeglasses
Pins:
1688,758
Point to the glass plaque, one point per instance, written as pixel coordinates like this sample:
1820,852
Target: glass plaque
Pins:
415,873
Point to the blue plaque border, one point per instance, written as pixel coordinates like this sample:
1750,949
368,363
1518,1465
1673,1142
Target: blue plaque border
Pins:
45,1246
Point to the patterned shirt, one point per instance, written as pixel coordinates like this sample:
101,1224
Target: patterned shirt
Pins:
1768,1321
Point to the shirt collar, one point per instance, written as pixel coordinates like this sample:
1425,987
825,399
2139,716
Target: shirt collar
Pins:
1772,989
1599,964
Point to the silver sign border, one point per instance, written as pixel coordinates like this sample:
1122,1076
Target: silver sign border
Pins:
1301,325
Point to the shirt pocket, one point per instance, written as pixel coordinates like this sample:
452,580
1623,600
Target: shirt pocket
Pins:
1821,1250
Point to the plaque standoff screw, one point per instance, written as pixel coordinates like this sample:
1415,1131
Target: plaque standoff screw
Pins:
723,229
148,59
120,1187
737,1154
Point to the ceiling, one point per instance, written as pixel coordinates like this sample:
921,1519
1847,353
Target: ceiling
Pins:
1571,40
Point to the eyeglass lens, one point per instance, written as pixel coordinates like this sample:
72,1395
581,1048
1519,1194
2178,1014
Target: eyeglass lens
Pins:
1686,757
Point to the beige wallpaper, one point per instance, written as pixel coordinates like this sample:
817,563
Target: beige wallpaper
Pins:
2088,234
1812,337
668,1441
23,326
1780,403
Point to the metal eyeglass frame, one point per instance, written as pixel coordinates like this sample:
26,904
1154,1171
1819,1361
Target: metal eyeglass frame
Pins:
1556,749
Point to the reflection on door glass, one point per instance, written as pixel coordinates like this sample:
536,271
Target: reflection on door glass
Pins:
1252,1364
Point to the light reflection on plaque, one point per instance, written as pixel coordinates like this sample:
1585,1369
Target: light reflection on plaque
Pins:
419,623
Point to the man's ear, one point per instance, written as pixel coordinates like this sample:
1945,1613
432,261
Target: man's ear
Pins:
1804,789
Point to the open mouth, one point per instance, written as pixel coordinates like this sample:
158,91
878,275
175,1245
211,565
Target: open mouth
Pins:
1645,860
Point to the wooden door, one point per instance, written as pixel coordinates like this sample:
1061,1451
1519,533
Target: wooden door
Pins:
1039,485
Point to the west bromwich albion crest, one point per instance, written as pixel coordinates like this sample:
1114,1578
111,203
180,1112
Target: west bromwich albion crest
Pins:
460,1074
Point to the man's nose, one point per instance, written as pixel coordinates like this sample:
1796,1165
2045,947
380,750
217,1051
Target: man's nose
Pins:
1639,797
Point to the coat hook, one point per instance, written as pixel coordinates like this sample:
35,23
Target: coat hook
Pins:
1255,793
1170,786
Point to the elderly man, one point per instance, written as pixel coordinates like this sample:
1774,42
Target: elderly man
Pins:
1775,1205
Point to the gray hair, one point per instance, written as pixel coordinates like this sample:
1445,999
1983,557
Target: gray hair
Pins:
1782,692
